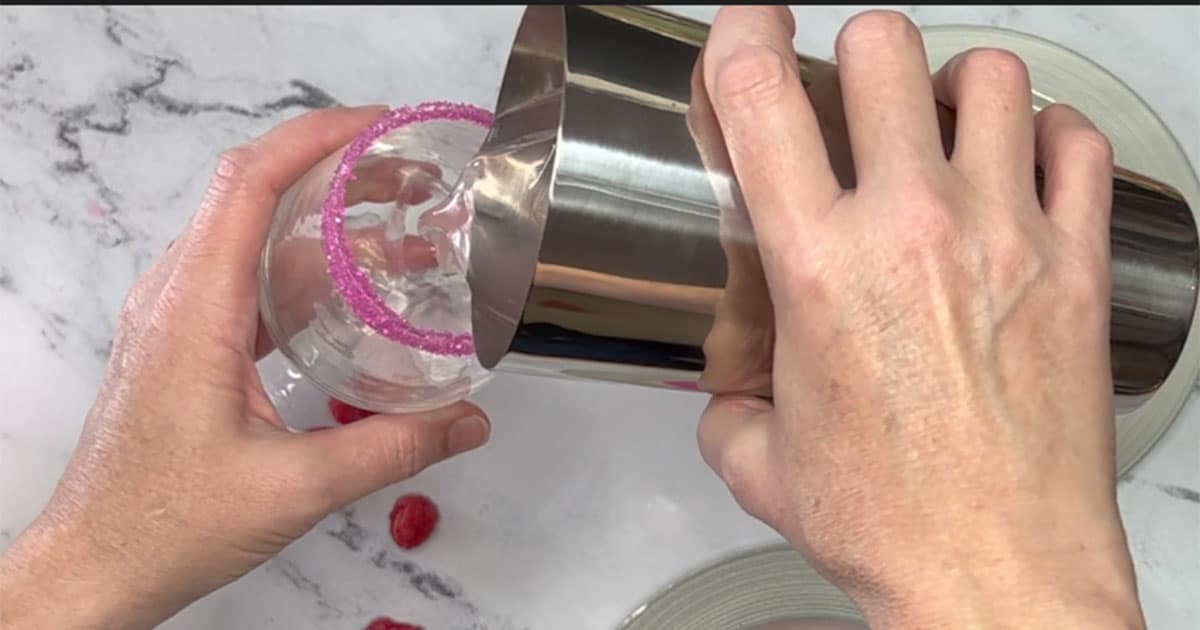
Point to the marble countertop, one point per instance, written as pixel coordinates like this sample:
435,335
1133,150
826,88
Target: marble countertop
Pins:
590,497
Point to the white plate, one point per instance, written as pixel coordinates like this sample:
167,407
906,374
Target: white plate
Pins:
759,588
775,584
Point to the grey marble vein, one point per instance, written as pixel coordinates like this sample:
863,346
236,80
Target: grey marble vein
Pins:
1179,492
10,69
429,584
350,533
294,576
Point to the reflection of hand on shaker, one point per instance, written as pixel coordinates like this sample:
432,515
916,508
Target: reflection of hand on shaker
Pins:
739,347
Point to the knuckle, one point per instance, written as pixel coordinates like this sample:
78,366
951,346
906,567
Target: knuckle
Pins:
1088,286
406,453
765,18
320,492
135,299
995,66
736,474
1058,112
872,29
751,79
1086,143
927,224
783,13
233,170
1007,240
743,484
1072,134
1010,255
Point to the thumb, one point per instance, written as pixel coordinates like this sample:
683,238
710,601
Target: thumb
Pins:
734,437
360,458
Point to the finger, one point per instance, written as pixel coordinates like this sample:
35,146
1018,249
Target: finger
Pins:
410,253
888,96
448,218
993,138
228,232
770,130
733,436
360,458
1077,162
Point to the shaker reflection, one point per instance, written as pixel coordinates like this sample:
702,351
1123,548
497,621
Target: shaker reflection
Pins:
739,349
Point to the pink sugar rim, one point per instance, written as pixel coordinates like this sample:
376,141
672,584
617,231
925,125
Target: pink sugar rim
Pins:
349,278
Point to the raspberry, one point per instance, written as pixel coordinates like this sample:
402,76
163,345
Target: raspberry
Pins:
384,623
413,519
345,413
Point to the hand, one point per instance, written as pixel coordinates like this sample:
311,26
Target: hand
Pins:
185,477
940,444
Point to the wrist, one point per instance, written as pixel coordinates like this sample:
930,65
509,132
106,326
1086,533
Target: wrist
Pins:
50,579
1094,592
969,606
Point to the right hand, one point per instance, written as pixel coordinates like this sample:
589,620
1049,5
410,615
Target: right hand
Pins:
941,441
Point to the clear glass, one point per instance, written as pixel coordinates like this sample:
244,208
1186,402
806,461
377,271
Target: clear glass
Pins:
374,308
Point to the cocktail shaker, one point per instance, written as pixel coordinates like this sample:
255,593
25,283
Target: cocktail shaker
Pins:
609,235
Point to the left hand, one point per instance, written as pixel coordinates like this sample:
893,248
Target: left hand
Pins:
185,477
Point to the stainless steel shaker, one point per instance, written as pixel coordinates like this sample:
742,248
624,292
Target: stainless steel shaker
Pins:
609,233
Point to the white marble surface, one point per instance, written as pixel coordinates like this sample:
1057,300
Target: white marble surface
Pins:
590,497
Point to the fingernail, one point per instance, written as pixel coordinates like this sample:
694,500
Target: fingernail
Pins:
366,108
466,434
